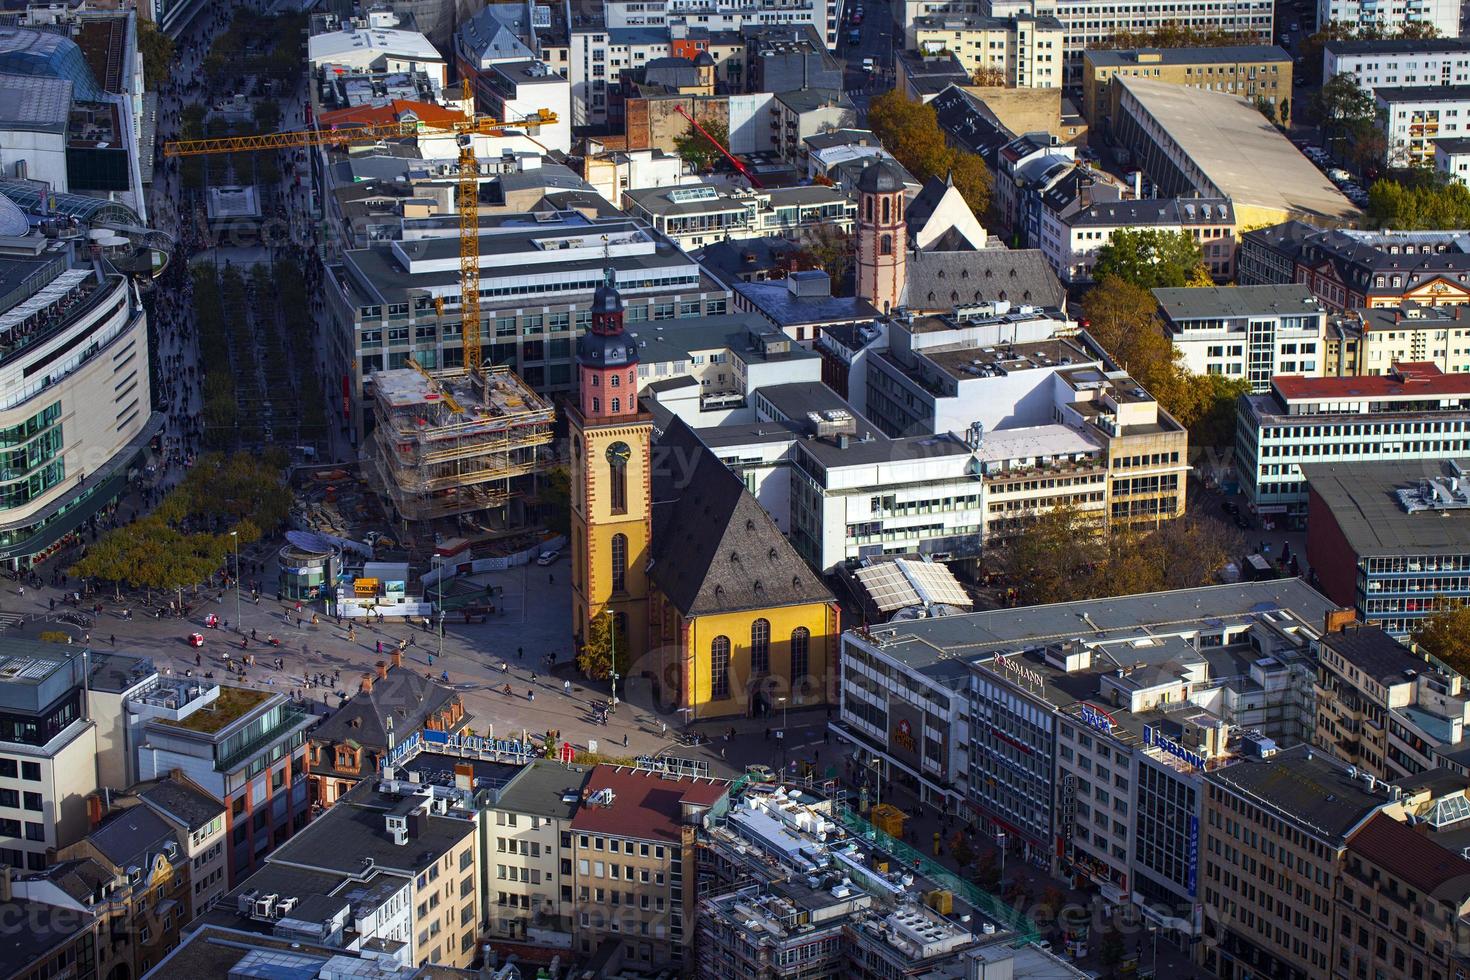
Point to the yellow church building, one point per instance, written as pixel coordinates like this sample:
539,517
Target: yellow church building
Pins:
715,606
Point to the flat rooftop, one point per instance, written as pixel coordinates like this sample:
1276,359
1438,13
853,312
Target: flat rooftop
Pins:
232,704
967,363
1031,441
545,788
1232,144
1423,93
925,643
1366,508
1411,384
1307,787
1237,301
505,395
1224,55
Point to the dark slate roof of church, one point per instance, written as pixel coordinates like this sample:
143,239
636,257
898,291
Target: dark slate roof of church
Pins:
942,280
715,549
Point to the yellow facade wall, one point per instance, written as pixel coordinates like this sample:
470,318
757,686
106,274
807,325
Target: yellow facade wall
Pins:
595,524
698,635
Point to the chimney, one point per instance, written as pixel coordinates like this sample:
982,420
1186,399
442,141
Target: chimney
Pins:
382,666
397,658
1337,620
95,810
464,776
366,687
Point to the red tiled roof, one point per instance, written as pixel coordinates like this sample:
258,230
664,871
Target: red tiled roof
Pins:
645,805
1411,856
1418,369
1411,379
377,115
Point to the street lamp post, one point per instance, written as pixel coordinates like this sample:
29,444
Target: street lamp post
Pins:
877,767
235,536
439,604
1000,840
612,636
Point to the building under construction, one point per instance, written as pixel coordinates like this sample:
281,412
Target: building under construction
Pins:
448,444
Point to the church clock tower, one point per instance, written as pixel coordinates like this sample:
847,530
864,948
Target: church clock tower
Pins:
611,509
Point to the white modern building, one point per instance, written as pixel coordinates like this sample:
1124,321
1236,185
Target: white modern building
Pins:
1392,16
1452,156
700,214
1414,117
378,50
514,90
1088,24
725,15
1251,332
1415,412
1021,51
1399,63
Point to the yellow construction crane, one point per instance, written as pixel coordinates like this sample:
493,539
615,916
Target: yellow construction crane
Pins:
465,130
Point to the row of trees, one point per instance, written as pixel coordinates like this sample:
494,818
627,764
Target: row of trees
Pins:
188,537
1066,555
221,407
1426,202
255,44
1175,35
910,131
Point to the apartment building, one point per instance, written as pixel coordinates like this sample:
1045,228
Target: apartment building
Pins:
48,751
1273,843
400,299
1370,341
246,748
701,214
1350,269
1414,117
1250,332
1452,157
1079,214
394,867
145,902
1368,537
1413,413
392,704
1403,906
634,863
1247,70
198,820
529,820
1087,26
822,15
1392,16
59,943
1396,63
1021,51
1383,707
972,714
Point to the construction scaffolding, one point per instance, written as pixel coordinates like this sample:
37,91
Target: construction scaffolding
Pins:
446,443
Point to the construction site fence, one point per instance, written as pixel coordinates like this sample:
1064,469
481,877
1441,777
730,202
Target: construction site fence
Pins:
991,906
455,567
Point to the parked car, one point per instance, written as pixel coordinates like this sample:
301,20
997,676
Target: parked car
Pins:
549,557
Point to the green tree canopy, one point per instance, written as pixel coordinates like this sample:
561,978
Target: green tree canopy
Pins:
595,659
1066,554
910,131
1445,635
697,149
157,49
1152,258
1423,205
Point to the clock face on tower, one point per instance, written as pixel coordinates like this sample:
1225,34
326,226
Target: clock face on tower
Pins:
618,453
